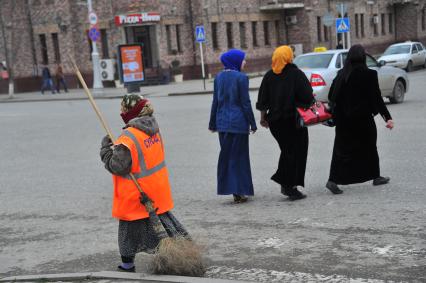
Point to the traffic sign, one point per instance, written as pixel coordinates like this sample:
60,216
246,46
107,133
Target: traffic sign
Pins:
328,19
93,18
94,34
200,34
343,25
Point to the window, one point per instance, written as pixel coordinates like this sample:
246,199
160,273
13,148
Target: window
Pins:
169,39
43,46
383,22
419,47
55,42
229,35
390,23
414,50
357,25
362,25
214,36
243,42
326,33
371,62
315,61
90,45
266,33
277,32
179,45
254,33
424,18
319,30
104,44
375,29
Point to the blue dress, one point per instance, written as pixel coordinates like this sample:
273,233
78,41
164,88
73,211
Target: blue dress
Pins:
232,116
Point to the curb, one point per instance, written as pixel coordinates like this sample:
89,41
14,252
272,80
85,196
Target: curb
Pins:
202,92
141,277
17,100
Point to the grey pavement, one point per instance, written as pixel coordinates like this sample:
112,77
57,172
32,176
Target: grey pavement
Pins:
191,87
55,198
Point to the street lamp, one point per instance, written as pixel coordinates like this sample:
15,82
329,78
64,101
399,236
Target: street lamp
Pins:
97,81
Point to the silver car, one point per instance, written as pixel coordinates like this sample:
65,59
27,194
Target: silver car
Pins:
405,55
321,68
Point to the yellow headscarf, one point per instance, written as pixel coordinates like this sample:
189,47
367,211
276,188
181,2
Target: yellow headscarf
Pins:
282,56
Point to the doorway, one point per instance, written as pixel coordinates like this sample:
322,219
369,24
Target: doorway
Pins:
144,35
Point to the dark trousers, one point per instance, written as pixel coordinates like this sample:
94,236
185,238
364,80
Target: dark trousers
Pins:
293,143
47,84
60,81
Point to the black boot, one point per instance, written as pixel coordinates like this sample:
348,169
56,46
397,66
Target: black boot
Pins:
332,186
295,194
381,181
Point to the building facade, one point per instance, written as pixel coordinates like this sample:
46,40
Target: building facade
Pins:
35,33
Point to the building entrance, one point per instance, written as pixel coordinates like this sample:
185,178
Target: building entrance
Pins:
144,35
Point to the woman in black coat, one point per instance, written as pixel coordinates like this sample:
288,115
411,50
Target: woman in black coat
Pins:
283,89
355,99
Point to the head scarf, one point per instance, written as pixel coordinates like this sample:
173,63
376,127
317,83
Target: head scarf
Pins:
282,56
356,59
134,105
233,59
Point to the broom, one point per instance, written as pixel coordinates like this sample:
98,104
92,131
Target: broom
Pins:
173,256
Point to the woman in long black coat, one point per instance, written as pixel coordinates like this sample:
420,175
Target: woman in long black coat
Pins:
283,89
355,99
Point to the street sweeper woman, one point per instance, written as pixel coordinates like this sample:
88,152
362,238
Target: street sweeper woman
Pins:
139,150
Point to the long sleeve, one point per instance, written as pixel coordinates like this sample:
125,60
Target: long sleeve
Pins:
304,93
378,102
212,123
243,89
263,103
117,160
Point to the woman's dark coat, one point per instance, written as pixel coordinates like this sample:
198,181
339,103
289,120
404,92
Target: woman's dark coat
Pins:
356,102
279,95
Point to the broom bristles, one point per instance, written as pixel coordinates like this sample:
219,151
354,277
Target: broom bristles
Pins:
178,256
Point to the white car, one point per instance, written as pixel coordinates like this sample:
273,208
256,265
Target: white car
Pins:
405,55
321,68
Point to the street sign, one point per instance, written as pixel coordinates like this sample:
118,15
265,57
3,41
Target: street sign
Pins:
343,25
328,19
200,34
93,18
94,34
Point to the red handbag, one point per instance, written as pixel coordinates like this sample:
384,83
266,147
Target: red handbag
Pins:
313,115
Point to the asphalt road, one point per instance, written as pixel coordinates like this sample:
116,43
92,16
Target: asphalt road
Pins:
55,197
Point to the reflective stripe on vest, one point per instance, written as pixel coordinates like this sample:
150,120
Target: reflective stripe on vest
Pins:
144,171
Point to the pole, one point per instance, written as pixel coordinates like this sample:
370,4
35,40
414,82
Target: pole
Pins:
343,34
97,81
6,54
202,65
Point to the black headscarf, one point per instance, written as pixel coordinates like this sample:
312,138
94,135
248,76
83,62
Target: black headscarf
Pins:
356,59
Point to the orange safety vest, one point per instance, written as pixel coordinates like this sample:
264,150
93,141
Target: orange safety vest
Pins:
150,170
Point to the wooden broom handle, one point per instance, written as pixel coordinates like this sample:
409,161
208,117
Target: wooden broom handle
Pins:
103,121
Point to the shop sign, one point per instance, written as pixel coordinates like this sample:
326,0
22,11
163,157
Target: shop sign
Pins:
130,63
132,19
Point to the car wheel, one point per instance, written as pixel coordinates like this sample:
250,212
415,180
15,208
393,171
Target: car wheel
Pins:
398,93
409,67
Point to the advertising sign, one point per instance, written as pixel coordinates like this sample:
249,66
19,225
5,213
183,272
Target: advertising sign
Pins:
137,18
131,63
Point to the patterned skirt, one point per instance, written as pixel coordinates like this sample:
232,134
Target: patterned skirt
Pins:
139,236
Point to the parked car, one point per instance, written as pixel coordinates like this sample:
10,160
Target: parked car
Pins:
321,68
405,55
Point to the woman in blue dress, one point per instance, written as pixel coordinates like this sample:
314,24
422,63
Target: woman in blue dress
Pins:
232,117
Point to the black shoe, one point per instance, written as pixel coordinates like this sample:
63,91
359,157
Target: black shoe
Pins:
296,195
240,199
120,268
381,181
332,186
286,191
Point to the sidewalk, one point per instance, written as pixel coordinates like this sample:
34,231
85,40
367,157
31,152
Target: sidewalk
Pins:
111,276
192,87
